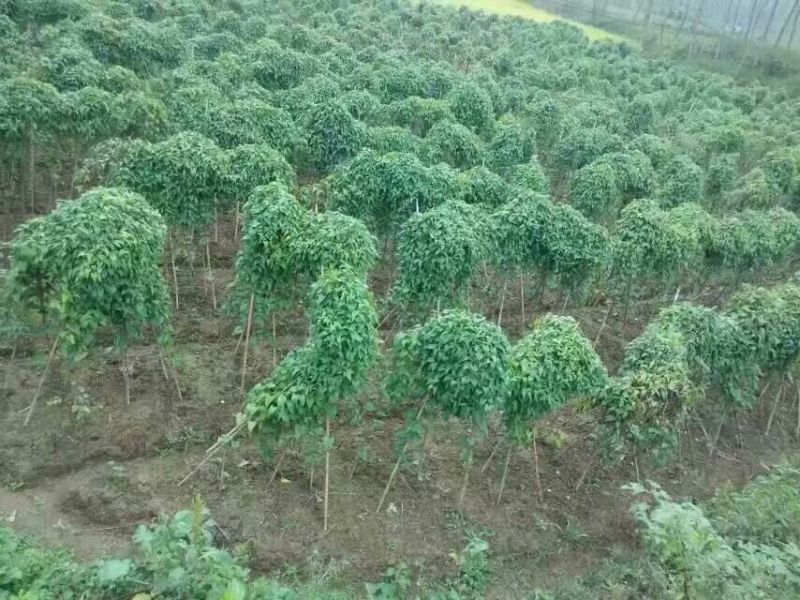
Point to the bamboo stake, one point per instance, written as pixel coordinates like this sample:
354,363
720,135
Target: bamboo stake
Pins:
566,301
211,277
177,382
8,367
216,222
221,484
503,478
582,478
31,163
174,271
464,484
738,429
126,376
353,470
778,398
702,427
397,464
491,456
41,380
327,476
717,434
602,325
502,302
239,342
278,466
236,225
522,300
797,430
213,449
274,343
247,341
536,468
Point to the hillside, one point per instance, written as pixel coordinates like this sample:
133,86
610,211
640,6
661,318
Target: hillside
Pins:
380,299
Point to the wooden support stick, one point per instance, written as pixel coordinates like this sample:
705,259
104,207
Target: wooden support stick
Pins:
41,380
247,341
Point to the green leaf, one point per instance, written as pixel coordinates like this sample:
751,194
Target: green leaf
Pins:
235,591
113,570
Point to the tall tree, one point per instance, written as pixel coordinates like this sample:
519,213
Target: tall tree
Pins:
794,28
770,20
756,11
786,23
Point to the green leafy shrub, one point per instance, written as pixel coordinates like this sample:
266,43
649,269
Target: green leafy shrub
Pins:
385,190
595,192
471,106
680,180
437,252
452,143
92,263
331,135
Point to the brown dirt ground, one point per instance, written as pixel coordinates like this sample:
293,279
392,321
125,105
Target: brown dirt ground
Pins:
88,483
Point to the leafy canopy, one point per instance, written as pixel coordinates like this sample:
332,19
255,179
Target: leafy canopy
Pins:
548,367
459,360
93,262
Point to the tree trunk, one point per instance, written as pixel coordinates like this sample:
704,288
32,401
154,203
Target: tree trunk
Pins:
787,23
695,26
648,15
685,16
755,16
639,6
770,20
794,28
736,13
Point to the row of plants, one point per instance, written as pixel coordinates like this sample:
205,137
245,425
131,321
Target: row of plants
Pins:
321,82
691,354
94,265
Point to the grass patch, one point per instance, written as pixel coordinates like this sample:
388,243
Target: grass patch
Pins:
519,8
